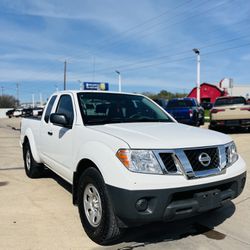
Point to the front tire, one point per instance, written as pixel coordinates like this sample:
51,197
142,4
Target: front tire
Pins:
32,168
95,208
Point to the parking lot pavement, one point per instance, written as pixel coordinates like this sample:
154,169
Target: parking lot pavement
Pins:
38,214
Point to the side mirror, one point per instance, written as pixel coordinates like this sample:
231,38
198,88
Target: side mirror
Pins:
59,119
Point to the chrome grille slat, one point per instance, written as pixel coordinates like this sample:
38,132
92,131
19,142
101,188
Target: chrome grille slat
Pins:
186,162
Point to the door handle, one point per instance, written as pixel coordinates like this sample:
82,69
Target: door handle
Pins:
50,133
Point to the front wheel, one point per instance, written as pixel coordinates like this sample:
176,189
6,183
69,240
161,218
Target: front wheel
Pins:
95,208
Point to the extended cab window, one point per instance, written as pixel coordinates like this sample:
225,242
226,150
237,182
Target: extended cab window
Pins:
65,106
49,108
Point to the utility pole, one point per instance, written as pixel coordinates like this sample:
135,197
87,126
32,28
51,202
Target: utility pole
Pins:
93,72
41,99
197,52
17,94
65,73
33,100
119,80
2,88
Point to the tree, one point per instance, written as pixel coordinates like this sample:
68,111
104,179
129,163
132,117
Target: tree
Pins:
164,94
8,101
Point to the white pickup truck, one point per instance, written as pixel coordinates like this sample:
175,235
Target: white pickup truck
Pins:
129,162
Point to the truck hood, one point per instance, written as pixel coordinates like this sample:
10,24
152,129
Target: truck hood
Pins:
163,135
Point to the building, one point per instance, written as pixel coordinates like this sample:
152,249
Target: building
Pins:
235,89
208,92
242,90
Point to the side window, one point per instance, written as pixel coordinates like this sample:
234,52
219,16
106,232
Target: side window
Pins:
49,108
65,106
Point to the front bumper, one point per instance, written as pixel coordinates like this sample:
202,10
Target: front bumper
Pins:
174,203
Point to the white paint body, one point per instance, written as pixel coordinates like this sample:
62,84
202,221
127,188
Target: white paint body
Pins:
67,147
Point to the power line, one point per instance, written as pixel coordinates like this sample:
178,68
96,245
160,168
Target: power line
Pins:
129,65
186,58
146,22
192,16
133,28
117,43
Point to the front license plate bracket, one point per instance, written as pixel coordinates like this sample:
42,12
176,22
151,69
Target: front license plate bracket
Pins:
208,200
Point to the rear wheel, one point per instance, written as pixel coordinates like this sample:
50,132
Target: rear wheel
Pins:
95,208
32,168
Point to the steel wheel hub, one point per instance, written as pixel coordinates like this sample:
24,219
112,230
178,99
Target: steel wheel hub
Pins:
92,205
28,160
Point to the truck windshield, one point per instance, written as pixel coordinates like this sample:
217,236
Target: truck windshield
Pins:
229,101
104,108
180,104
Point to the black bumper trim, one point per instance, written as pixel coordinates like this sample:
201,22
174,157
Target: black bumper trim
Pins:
231,123
175,203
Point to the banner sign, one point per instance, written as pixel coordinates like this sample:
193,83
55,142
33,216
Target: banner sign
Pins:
96,86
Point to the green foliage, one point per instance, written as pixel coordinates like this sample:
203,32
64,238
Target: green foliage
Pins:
207,115
164,94
8,101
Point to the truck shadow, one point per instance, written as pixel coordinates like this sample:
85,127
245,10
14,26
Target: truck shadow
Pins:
204,224
160,232
58,179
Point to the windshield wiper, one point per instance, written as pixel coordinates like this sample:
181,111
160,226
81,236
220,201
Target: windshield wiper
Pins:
103,122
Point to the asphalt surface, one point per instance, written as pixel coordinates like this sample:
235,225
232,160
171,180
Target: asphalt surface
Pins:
38,214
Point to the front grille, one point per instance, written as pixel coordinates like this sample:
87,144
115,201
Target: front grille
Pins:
168,162
193,157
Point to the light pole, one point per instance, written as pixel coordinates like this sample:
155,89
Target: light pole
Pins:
197,52
65,75
80,82
119,80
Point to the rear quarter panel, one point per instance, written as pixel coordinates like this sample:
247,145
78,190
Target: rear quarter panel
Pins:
30,128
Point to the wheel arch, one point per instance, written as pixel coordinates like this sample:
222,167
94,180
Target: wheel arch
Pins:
29,138
81,167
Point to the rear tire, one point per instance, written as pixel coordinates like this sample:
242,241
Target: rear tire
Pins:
32,168
95,208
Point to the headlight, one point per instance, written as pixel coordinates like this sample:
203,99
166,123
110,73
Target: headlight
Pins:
232,155
140,161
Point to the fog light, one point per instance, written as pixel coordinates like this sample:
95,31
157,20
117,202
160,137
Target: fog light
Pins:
141,205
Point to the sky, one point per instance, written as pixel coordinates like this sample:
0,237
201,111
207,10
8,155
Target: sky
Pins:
149,41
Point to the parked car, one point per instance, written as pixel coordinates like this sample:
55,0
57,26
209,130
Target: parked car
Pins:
230,111
207,105
17,112
186,110
37,111
10,112
162,102
27,112
128,161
